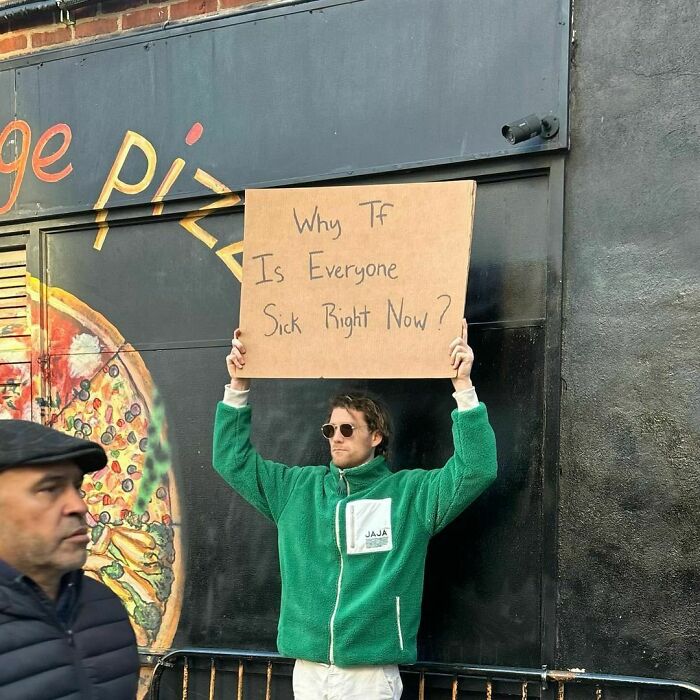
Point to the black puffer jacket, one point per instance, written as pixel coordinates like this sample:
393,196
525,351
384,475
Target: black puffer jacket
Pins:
80,648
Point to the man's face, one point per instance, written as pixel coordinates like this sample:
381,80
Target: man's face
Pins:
359,447
42,519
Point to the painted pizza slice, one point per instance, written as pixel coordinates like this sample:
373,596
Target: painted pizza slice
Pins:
96,386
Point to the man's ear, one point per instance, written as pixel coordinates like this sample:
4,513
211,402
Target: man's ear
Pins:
377,437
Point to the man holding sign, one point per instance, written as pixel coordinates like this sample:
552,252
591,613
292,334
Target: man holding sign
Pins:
353,535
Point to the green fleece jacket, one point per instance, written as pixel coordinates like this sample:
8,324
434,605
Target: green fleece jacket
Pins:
352,543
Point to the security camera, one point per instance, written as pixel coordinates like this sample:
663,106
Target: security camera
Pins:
528,127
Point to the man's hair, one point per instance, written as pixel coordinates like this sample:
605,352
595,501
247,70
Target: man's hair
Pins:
375,413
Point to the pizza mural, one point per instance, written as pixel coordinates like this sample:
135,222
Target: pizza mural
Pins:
96,386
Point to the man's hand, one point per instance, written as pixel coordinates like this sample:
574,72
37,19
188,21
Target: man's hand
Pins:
235,360
462,357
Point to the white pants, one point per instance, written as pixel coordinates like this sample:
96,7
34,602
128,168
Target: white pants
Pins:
313,681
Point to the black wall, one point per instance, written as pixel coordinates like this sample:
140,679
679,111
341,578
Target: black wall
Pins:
629,561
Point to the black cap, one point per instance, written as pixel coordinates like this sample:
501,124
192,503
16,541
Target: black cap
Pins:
23,444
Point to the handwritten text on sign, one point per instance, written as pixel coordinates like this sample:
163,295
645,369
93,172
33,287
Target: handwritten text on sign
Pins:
355,281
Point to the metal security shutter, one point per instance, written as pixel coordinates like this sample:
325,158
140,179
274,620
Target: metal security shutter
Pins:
13,293
15,341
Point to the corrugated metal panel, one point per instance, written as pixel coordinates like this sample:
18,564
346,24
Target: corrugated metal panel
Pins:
14,313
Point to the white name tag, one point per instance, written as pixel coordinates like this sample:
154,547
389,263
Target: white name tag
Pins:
368,526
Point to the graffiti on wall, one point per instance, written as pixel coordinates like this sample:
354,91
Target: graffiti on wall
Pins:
96,386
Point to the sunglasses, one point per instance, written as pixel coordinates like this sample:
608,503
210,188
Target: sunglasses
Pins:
346,430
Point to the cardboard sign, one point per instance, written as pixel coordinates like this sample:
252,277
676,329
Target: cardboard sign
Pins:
364,282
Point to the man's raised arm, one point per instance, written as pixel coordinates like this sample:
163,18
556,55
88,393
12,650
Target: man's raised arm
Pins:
446,492
264,484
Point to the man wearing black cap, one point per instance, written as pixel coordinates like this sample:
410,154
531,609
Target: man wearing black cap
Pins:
62,635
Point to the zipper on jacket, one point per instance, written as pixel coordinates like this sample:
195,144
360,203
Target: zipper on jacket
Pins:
343,485
340,579
343,481
398,620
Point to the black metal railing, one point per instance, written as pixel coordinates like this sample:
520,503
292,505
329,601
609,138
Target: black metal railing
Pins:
211,674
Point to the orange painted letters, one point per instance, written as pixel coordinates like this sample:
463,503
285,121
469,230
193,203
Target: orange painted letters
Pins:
22,147
40,162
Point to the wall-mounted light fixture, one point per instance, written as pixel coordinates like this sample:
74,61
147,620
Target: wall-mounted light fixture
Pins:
65,6
528,127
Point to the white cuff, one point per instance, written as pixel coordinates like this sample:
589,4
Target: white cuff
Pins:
466,399
234,397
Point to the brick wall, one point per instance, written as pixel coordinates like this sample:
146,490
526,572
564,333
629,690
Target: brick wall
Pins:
107,18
